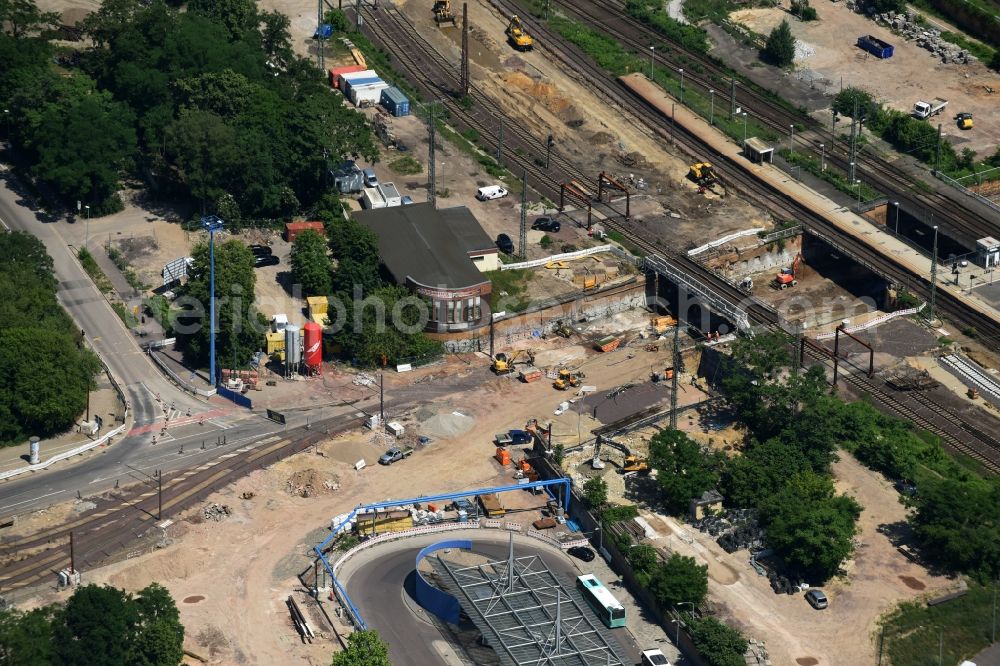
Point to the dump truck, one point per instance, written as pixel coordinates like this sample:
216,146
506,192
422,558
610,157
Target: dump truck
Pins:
512,438
608,343
394,454
924,109
529,374
492,507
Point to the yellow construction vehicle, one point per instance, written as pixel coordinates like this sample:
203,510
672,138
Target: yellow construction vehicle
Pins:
504,364
566,379
635,464
703,174
443,13
964,120
517,37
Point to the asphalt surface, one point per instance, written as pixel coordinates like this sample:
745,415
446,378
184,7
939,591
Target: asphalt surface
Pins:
141,381
378,582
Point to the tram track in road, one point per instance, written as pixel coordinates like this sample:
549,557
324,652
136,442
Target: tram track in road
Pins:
129,515
967,220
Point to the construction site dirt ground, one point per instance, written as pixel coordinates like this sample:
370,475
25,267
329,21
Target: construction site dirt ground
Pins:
827,55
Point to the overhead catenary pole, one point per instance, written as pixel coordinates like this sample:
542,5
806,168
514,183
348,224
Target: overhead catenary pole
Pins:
934,261
72,555
381,398
675,378
500,144
159,494
732,98
523,236
937,150
431,170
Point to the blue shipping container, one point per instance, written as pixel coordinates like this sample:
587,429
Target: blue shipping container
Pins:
875,46
351,83
395,102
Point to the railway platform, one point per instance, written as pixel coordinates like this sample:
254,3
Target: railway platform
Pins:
837,215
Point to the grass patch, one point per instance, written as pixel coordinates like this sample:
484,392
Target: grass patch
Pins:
406,165
510,290
978,49
130,276
159,306
617,237
124,314
93,270
836,178
912,632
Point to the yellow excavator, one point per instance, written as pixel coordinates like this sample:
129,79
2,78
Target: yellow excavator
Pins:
704,175
517,37
635,464
503,364
443,13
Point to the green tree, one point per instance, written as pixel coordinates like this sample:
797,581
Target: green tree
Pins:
83,144
206,151
26,638
275,34
93,628
810,527
355,247
761,471
310,263
886,6
844,102
237,16
239,326
684,470
364,648
595,491
718,644
644,560
780,47
226,94
679,580
956,522
159,636
21,18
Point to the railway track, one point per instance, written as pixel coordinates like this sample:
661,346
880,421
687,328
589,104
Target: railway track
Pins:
434,73
967,220
132,514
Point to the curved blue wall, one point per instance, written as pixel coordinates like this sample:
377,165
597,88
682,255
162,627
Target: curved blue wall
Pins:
431,598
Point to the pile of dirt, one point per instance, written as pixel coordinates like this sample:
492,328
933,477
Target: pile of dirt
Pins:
308,482
447,425
216,512
545,93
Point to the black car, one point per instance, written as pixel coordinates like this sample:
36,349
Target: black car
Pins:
261,250
505,244
581,553
266,260
546,224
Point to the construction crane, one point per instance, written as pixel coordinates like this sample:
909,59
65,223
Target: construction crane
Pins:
517,36
443,13
788,277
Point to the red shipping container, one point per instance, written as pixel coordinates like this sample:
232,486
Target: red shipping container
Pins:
337,72
293,229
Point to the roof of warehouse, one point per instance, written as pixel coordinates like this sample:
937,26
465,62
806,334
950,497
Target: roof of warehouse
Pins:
429,246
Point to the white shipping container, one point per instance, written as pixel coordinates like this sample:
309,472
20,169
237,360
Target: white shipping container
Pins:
372,197
367,74
368,95
391,195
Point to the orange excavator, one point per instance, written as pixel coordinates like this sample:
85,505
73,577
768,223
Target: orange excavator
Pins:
788,277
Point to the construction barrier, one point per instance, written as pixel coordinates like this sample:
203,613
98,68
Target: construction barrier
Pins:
65,454
722,241
430,598
881,319
238,398
613,249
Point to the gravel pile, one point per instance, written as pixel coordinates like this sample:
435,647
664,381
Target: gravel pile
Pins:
448,424
217,512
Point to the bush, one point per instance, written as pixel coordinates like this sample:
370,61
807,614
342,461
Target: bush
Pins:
780,47
717,643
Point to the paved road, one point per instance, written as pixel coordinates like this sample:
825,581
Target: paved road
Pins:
378,582
116,345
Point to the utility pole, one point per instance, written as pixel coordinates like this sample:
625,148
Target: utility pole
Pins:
465,49
548,149
854,138
381,398
159,494
523,238
934,260
72,555
357,17
431,161
732,98
937,151
675,378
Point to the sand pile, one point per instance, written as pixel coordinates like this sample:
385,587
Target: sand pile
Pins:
446,425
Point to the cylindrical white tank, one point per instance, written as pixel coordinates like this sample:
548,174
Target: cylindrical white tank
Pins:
293,345
34,451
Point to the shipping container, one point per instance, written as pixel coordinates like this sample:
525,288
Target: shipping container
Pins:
293,229
350,76
492,507
395,102
380,522
368,94
336,73
372,198
391,195
875,46
351,84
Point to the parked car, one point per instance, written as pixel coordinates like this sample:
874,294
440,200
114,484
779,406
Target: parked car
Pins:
582,553
546,224
261,250
505,244
653,658
371,180
490,192
816,599
407,200
266,260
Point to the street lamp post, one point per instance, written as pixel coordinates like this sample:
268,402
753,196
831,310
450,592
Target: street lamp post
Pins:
791,139
858,183
86,238
896,206
6,115
681,70
711,113
822,157
652,53
744,132
677,639
211,224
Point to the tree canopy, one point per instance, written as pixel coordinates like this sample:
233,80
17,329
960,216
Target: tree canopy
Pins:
98,626
683,471
208,102
45,373
780,47
364,648
717,644
595,491
679,580
310,264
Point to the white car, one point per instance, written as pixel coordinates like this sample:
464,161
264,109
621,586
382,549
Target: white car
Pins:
653,658
491,192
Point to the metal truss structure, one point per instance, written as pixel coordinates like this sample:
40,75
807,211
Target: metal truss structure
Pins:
527,614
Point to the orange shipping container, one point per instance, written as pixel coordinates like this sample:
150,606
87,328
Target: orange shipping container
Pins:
293,229
337,72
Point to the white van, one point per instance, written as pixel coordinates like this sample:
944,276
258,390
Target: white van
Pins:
654,658
490,192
